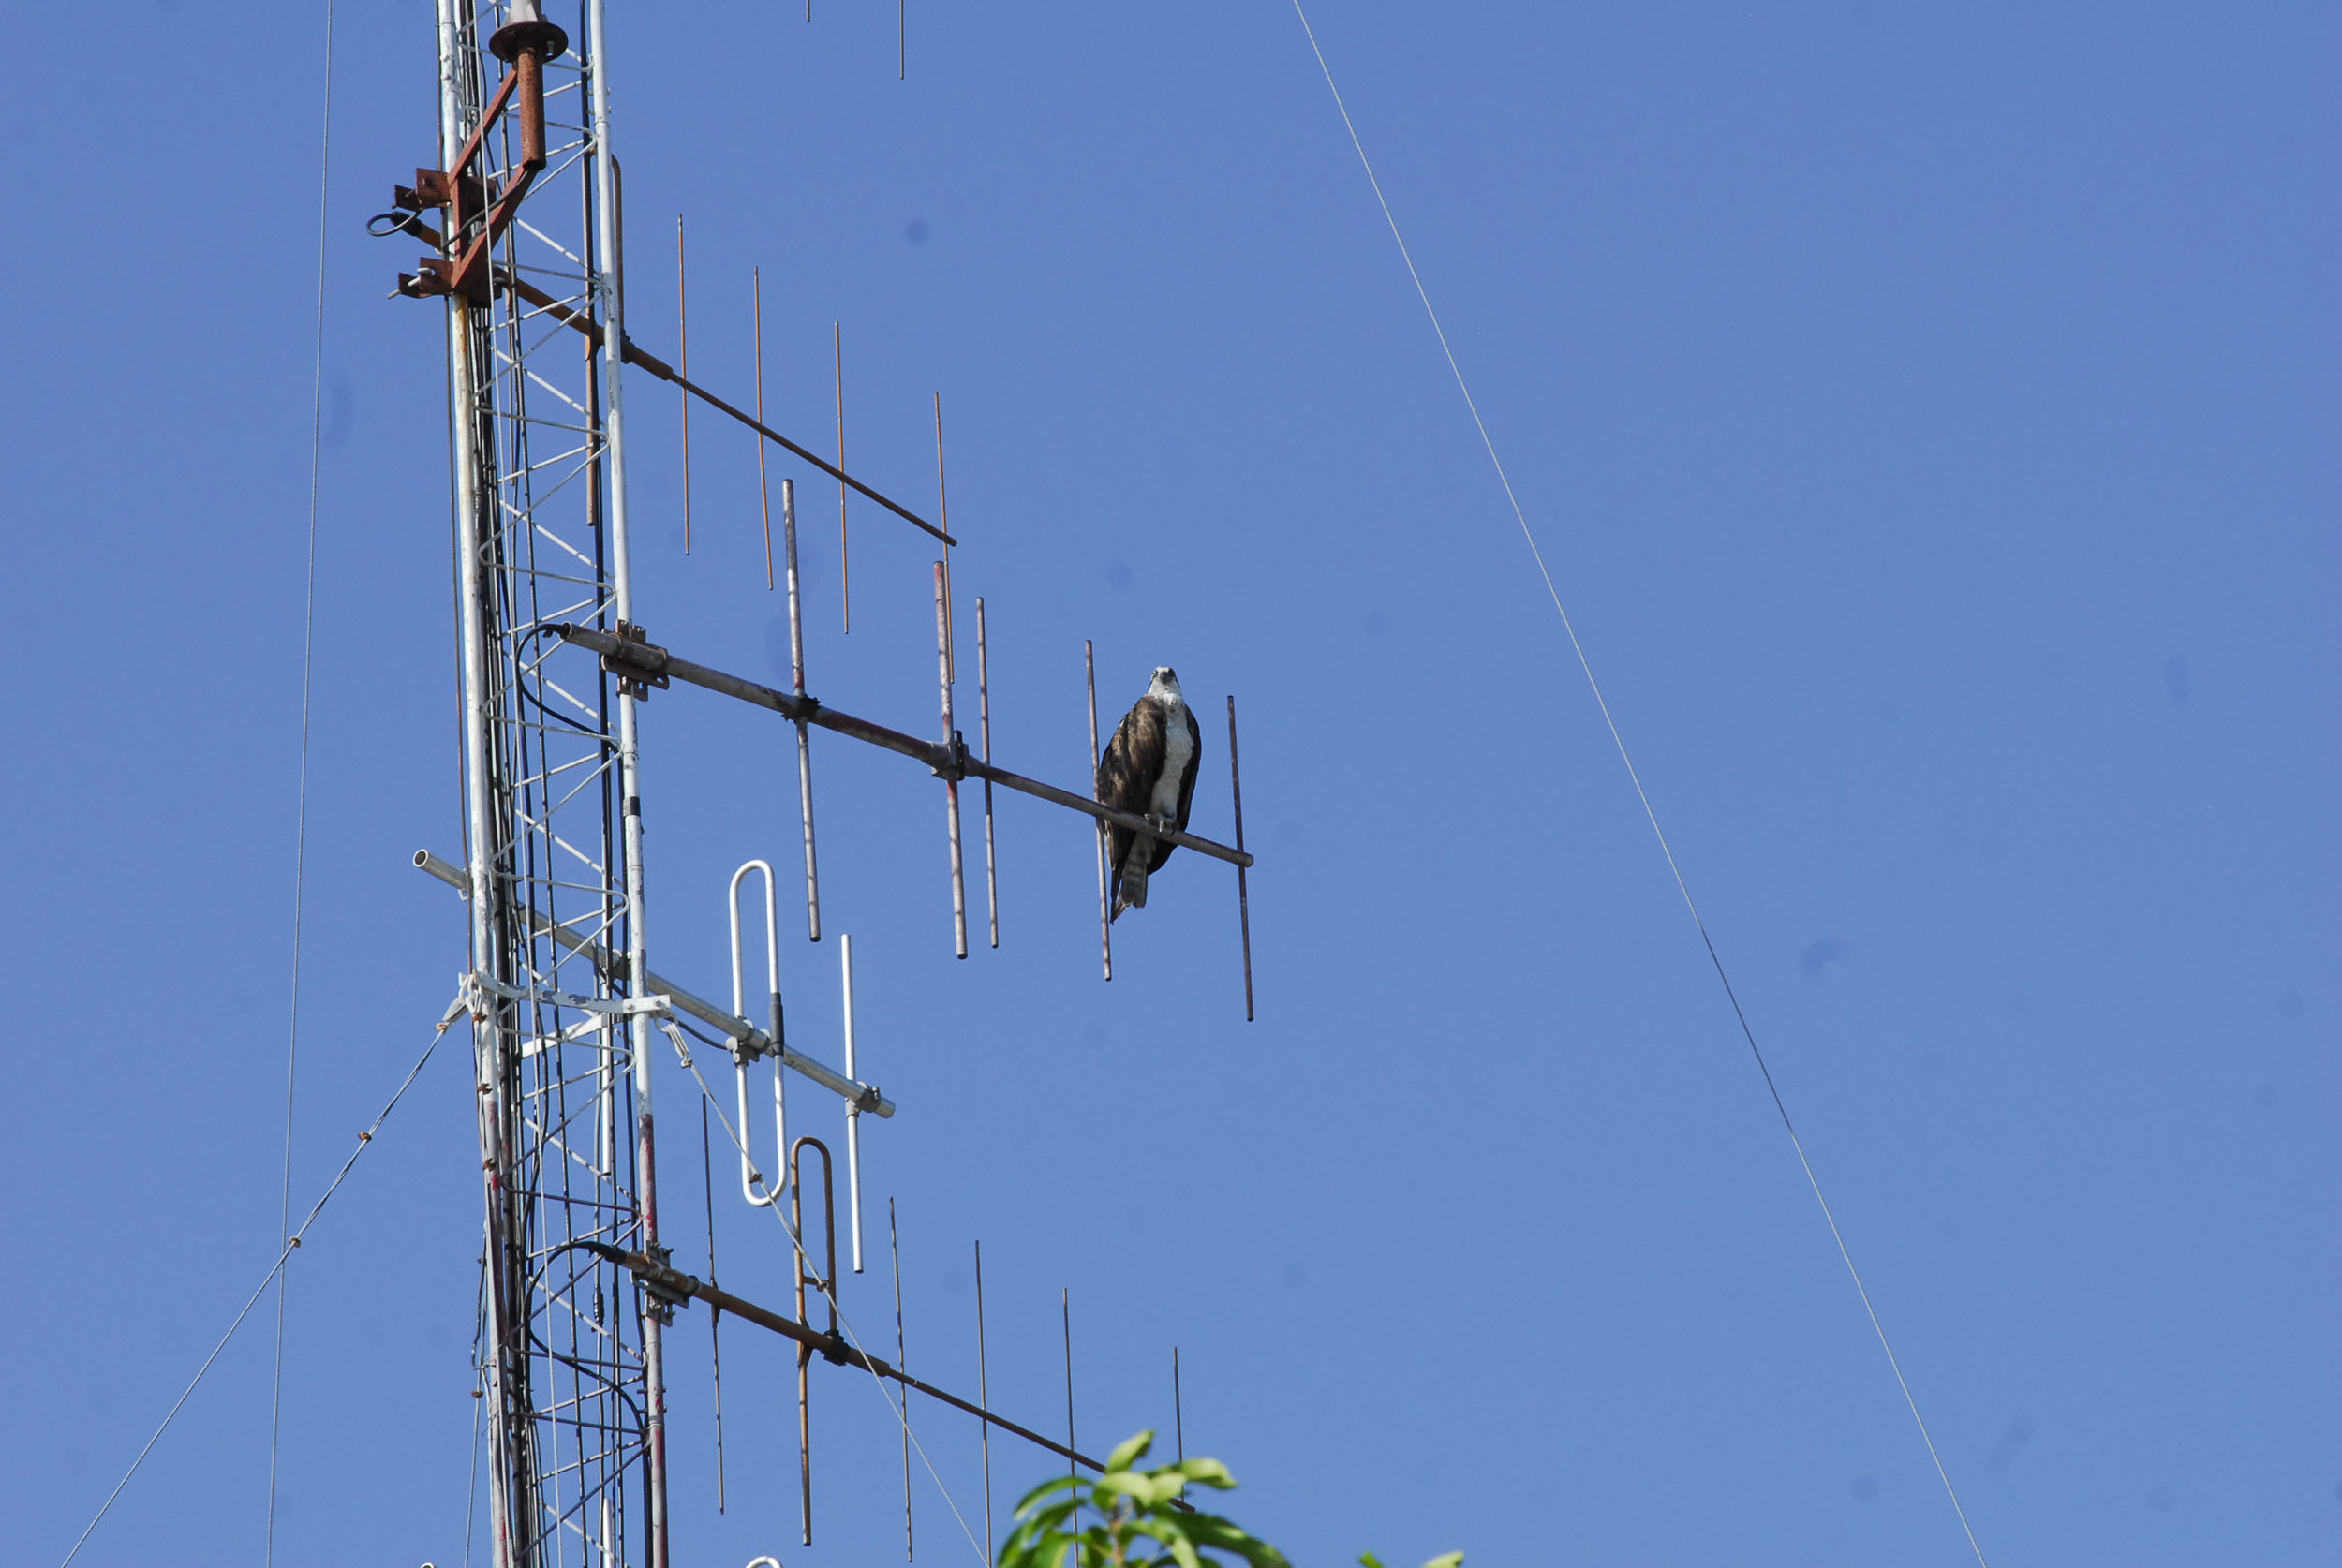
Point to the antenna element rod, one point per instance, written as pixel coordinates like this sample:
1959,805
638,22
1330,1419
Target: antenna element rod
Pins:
804,748
853,1111
953,750
1243,898
764,495
1105,917
845,577
984,723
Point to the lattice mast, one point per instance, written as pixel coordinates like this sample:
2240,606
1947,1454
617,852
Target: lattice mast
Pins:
570,1354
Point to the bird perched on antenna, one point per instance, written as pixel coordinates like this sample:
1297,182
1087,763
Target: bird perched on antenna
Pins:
1149,770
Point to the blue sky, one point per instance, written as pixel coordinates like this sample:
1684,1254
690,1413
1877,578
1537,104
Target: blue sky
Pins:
1927,414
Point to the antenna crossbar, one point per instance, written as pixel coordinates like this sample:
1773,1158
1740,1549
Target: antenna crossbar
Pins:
643,661
663,1280
738,1031
634,354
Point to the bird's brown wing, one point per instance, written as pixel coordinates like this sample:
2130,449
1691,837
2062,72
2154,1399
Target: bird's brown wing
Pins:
1126,775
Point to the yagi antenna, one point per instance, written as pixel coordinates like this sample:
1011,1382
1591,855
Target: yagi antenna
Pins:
636,659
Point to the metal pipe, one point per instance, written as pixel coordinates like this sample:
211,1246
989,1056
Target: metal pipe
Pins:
954,747
715,1314
1243,896
1106,916
984,723
738,1030
853,1111
802,1330
797,677
944,510
607,1134
659,661
507,1437
683,348
749,1176
630,784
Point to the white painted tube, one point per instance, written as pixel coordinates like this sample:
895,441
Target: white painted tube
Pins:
749,1176
853,1111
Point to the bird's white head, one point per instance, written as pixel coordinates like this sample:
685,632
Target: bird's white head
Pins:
1166,684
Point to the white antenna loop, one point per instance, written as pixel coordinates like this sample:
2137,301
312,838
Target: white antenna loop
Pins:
751,1177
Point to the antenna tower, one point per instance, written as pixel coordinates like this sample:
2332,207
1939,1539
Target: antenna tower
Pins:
522,218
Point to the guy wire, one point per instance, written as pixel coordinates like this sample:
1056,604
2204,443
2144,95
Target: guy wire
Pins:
301,792
291,1242
1636,778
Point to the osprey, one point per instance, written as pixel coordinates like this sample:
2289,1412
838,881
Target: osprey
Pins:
1149,770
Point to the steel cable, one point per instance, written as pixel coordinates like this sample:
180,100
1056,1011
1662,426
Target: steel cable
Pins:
301,803
292,1242
1634,776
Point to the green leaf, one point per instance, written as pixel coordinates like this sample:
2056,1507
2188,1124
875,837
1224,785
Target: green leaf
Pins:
1055,1484
1446,1560
1130,1448
1208,1472
1368,1560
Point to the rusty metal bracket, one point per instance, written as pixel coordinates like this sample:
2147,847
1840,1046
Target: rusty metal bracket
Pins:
474,223
667,1286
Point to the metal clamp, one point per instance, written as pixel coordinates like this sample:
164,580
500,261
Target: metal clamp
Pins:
658,1006
952,755
637,662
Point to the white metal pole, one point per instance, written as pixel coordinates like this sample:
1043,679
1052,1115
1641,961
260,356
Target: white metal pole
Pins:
853,1111
749,1176
487,1043
630,784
